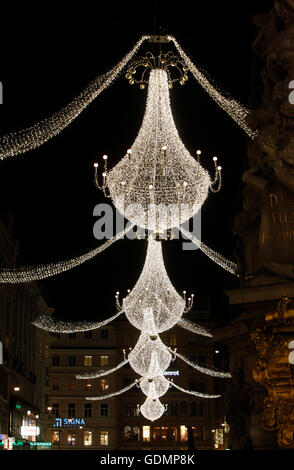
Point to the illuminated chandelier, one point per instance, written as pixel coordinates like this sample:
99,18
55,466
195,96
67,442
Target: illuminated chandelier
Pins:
157,186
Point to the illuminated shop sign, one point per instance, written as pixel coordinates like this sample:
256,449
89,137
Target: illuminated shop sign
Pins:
69,422
29,431
171,372
41,444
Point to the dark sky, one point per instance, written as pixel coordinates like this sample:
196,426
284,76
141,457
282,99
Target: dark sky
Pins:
47,58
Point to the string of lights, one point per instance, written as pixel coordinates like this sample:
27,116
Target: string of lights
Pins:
231,106
114,394
204,370
192,392
20,274
213,255
103,373
45,322
198,330
22,141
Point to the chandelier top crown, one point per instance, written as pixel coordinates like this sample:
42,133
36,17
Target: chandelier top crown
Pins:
175,67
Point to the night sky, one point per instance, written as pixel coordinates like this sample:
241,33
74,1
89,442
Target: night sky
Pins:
47,58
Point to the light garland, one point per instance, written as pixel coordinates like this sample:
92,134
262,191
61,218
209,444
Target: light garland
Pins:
204,370
194,328
45,322
192,392
34,273
114,394
158,184
103,373
232,107
24,140
213,255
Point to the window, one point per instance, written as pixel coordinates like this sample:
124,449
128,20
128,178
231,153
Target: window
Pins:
88,335
183,408
72,360
146,433
55,409
55,437
104,334
87,438
173,340
88,360
72,335
183,433
104,384
173,434
46,376
55,383
174,408
104,438
131,409
132,433
72,384
55,360
160,433
103,360
104,409
193,408
71,439
71,410
46,352
88,410
201,409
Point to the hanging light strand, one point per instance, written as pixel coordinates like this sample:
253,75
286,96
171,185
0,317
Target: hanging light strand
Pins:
43,271
22,141
194,328
204,370
213,255
196,394
234,109
103,373
45,322
114,394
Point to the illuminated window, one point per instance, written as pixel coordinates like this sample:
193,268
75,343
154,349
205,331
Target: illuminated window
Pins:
291,354
104,438
132,433
183,433
160,433
87,438
104,334
71,412
128,433
104,409
146,433
103,384
173,434
104,360
88,385
71,440
173,340
55,437
88,410
88,360
72,384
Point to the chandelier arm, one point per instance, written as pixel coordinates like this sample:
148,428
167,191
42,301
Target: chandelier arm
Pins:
196,394
213,255
33,273
45,322
204,370
95,375
22,141
231,106
114,394
194,328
